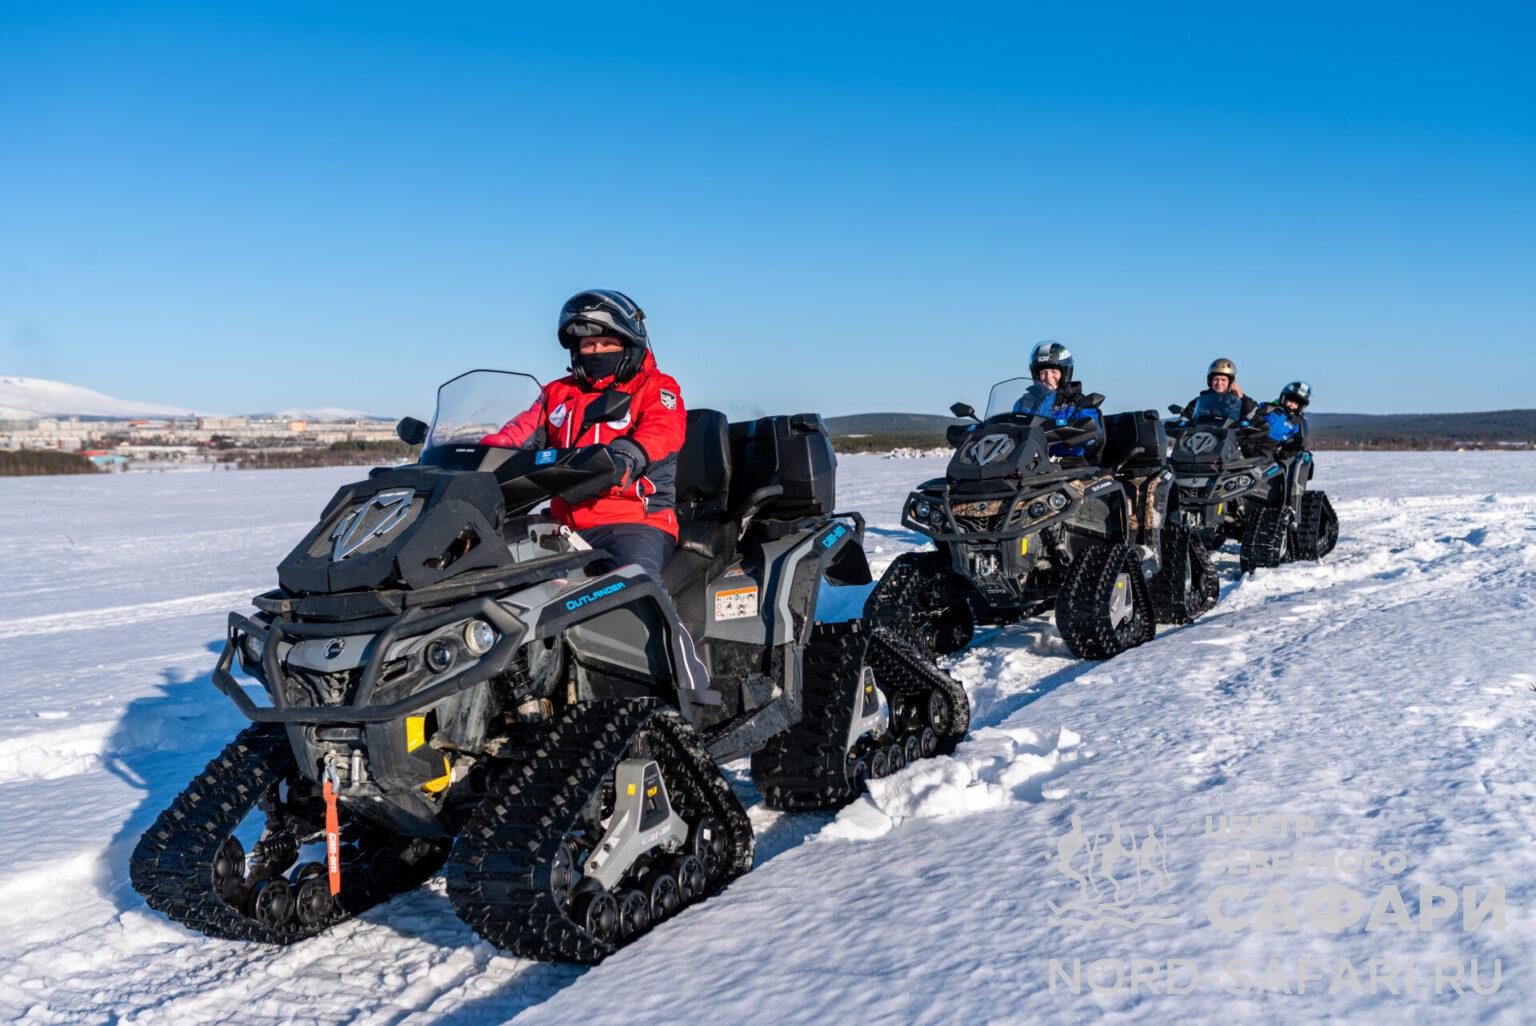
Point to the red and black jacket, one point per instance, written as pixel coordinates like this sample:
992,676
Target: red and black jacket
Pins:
653,431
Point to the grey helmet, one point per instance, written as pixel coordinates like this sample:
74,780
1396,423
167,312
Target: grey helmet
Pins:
1050,354
605,312
1299,391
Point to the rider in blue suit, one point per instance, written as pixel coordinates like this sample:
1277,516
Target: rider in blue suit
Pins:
1287,427
1057,397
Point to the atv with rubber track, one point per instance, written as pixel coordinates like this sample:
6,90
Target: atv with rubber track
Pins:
446,678
1234,486
1018,532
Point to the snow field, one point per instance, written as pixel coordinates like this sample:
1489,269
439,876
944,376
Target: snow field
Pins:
1383,701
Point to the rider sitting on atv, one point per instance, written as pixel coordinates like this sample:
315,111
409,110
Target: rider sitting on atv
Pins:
1061,399
1221,379
1287,426
635,519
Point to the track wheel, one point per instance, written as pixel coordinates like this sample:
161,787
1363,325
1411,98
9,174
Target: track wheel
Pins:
707,841
937,711
664,894
563,872
312,904
598,914
634,914
928,738
1266,539
879,763
229,871
912,748
270,902
895,756
1105,605
691,879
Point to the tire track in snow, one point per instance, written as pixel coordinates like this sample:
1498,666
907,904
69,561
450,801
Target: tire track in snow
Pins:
125,616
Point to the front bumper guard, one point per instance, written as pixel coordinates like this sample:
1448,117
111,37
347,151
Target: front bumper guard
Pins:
388,630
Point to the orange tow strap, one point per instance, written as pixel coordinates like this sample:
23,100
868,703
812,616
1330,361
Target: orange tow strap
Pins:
332,839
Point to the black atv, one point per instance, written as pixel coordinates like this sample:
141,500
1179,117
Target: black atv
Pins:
1233,485
445,677
1019,531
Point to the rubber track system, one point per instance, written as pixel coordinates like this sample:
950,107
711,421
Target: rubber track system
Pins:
1317,527
1265,539
808,766
499,875
1186,585
173,864
1082,608
906,587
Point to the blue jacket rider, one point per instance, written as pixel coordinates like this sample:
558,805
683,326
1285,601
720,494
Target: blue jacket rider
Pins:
1061,400
1284,420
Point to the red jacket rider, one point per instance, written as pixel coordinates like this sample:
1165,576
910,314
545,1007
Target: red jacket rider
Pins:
610,348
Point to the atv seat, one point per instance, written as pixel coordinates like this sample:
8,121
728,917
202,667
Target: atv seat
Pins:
706,531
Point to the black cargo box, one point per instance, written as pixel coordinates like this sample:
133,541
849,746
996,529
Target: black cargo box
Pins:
793,451
1126,432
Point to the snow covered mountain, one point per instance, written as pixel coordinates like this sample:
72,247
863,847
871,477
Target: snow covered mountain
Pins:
37,397
1315,803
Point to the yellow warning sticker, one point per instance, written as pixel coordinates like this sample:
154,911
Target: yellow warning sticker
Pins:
1024,546
631,789
415,732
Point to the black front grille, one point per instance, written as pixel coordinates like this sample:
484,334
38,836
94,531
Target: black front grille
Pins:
311,688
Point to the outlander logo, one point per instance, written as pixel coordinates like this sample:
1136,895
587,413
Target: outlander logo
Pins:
375,518
991,447
1200,441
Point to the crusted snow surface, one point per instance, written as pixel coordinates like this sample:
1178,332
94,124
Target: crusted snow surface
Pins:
1315,803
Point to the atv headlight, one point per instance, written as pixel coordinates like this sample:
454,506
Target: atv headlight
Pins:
439,657
479,636
936,518
1036,510
253,647
1056,501
921,509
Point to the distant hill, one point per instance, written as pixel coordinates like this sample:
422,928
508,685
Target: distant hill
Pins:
25,398
1516,428
1404,430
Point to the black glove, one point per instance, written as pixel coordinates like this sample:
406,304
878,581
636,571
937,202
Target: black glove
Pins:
629,461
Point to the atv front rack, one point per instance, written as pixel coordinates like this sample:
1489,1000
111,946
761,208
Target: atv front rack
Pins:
1012,500
387,630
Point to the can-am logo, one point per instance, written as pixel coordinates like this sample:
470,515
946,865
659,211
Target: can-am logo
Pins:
1200,442
990,447
366,523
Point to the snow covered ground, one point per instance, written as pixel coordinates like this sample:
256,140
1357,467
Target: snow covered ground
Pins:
1281,813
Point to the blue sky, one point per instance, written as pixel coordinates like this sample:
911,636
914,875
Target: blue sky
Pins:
840,208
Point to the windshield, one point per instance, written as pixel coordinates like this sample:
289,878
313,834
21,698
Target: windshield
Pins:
1020,395
1218,406
477,404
